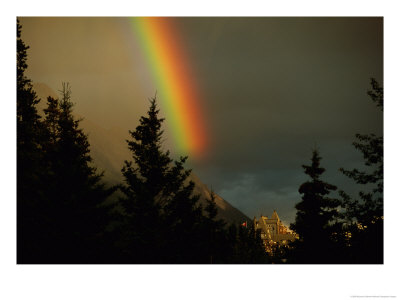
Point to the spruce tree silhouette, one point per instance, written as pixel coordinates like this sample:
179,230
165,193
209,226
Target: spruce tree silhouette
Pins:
216,246
365,215
161,218
29,160
76,211
314,216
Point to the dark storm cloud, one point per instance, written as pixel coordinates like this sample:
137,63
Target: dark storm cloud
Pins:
272,89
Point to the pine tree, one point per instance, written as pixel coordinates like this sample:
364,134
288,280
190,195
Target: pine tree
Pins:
315,214
75,210
29,159
365,215
161,217
215,236
370,205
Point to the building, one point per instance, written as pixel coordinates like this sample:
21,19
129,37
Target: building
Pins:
272,231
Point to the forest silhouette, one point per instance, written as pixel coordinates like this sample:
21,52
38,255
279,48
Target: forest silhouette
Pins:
65,216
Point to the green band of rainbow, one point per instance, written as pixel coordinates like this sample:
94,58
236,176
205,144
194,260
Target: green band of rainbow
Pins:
176,86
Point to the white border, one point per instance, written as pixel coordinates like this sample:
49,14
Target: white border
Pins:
198,282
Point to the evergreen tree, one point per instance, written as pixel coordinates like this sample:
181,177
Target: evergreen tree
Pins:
29,159
216,246
315,214
76,211
161,217
365,215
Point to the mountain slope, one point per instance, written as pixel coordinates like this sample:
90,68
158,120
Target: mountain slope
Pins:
226,211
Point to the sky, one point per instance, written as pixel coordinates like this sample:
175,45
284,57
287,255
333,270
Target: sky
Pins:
270,90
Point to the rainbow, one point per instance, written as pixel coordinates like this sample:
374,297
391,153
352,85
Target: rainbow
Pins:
176,86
